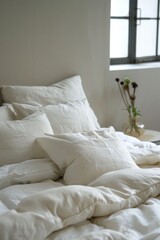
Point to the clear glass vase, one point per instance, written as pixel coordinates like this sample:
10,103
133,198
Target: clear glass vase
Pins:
134,127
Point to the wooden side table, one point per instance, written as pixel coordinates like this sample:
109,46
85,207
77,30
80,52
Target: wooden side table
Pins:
151,136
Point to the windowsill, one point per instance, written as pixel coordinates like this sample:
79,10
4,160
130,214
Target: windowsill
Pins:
134,66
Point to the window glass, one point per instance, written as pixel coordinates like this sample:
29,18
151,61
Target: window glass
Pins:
119,8
148,8
131,39
146,38
119,38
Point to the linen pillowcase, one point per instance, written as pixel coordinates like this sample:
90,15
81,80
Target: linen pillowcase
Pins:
66,90
82,157
29,171
64,118
18,138
6,114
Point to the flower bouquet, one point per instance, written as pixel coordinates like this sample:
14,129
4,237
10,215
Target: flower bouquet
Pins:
128,93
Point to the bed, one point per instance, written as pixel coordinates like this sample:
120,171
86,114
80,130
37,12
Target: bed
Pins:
64,177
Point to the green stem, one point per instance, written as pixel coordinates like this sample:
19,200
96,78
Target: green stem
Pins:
124,100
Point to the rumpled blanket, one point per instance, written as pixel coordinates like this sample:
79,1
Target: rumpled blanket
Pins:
122,204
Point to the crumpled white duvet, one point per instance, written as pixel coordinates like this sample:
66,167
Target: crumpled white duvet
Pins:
142,152
122,204
119,205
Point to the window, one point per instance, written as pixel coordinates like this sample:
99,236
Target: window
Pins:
134,31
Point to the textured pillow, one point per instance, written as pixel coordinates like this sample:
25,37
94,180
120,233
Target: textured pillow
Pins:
64,118
82,157
6,114
64,91
29,171
18,138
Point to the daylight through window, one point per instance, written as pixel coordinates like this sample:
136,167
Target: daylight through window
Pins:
134,31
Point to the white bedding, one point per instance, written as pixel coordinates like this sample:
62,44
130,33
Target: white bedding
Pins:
120,205
116,191
143,153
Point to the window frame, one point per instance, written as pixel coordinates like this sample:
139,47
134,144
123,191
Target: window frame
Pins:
131,59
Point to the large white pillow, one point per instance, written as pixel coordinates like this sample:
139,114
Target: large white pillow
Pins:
64,91
6,114
82,157
64,118
18,138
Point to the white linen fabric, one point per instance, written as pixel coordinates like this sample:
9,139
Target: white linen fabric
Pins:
82,157
6,114
64,118
114,199
11,196
120,205
18,138
29,171
142,152
66,90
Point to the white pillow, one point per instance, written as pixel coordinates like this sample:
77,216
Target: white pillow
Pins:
64,118
6,114
82,157
64,91
18,138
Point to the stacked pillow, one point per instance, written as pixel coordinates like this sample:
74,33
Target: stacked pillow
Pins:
64,103
68,90
60,118
59,108
64,118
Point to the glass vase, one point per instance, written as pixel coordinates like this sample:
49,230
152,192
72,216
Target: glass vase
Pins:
134,127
